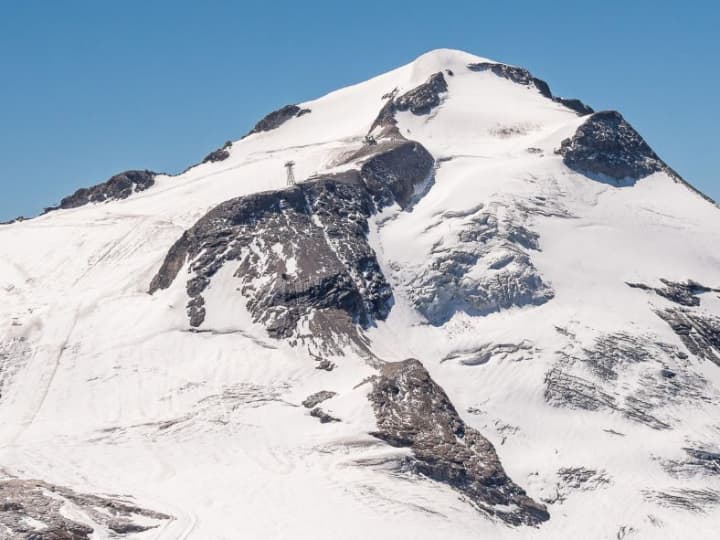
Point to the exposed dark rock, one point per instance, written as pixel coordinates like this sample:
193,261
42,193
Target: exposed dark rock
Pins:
698,461
325,365
48,504
575,105
413,411
597,377
317,398
277,118
572,479
523,76
565,390
685,294
120,186
398,175
321,225
324,417
424,98
699,332
420,100
692,500
605,144
221,154
582,478
11,221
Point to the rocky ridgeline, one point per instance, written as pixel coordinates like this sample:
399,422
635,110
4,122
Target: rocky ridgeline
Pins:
277,118
522,76
606,145
120,186
413,411
325,266
221,154
36,510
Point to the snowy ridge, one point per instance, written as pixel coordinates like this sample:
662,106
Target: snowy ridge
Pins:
229,351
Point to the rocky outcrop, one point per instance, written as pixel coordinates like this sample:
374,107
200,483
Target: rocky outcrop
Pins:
702,461
412,411
221,154
606,145
324,417
575,479
302,251
277,118
522,76
120,186
691,500
317,398
420,100
640,378
37,510
698,331
682,293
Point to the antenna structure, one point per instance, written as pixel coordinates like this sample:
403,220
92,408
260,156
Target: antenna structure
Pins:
290,174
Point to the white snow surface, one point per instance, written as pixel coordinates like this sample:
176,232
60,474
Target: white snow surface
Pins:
105,389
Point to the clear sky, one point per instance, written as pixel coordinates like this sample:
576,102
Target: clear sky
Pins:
90,88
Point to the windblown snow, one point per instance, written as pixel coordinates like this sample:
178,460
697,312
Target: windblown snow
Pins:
216,355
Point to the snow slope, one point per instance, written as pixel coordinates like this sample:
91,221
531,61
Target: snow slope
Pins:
108,389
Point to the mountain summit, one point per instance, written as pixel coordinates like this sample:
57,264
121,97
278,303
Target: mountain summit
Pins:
444,302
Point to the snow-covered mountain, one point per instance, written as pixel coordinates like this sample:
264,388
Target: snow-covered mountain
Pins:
483,311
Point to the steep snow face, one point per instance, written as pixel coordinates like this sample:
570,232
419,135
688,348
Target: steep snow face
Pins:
565,382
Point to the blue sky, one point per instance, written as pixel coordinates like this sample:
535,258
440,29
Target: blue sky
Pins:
91,88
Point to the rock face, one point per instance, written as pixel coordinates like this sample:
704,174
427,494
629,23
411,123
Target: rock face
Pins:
636,376
699,332
523,76
420,100
684,294
317,398
277,118
120,186
36,510
302,251
607,145
221,154
413,411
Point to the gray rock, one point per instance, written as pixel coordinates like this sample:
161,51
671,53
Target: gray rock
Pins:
702,461
413,411
46,503
606,145
317,398
685,294
420,100
221,154
522,76
699,332
692,500
322,225
120,186
277,118
324,417
631,375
